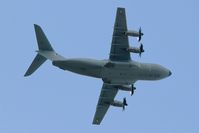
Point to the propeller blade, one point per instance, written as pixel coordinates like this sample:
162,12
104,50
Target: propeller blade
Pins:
132,89
140,34
123,108
141,49
132,92
124,103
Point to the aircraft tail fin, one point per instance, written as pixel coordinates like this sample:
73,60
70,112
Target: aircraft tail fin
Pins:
45,51
42,40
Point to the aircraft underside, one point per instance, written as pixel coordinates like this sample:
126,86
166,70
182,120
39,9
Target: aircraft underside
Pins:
118,72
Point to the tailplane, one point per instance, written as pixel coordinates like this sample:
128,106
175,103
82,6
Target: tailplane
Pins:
45,51
36,63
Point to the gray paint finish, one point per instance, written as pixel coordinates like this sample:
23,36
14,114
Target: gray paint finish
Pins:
117,73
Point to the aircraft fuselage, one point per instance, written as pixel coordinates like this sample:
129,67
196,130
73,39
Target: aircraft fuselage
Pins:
114,72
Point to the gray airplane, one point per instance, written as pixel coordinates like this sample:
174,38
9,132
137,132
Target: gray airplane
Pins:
118,72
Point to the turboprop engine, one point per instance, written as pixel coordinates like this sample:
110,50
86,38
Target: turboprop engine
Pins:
138,50
127,88
119,103
138,34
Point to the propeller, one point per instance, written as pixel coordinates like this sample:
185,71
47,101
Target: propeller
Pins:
141,49
140,34
124,103
132,89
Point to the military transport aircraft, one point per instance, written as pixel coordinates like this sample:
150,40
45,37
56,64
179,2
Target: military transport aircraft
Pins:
118,72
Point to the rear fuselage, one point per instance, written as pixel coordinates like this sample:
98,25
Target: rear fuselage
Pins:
114,72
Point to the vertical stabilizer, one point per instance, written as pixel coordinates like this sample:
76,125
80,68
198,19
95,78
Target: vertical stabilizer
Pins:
42,40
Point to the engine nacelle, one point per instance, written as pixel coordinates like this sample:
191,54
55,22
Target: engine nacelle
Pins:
125,87
138,34
117,103
134,49
139,50
132,33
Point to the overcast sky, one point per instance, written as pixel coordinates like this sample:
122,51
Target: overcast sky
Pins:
56,101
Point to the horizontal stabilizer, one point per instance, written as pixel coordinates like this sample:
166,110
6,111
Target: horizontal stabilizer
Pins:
37,62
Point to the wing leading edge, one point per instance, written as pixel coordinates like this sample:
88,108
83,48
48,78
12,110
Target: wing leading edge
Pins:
106,97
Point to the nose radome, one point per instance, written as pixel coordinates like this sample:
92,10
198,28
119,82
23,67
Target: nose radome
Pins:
170,73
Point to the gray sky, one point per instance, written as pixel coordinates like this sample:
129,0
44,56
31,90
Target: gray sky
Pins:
56,101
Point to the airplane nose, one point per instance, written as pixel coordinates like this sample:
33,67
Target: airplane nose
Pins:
170,73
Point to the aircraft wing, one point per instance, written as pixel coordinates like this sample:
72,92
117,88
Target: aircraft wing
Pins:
120,41
106,97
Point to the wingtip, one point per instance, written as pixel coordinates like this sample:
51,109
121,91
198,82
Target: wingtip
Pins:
26,74
96,122
36,26
120,8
